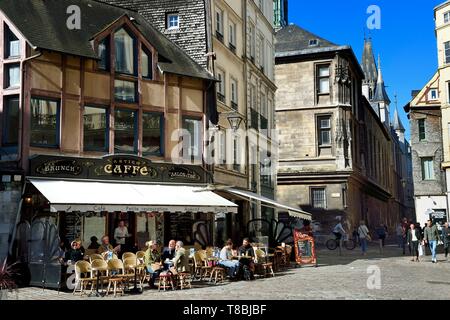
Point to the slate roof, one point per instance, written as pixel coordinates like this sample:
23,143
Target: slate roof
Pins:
294,38
380,90
397,125
368,62
43,24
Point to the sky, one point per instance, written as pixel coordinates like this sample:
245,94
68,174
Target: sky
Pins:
406,41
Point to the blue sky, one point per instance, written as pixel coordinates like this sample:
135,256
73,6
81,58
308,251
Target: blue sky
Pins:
406,41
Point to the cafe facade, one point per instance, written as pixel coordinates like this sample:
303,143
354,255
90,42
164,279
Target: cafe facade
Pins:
100,124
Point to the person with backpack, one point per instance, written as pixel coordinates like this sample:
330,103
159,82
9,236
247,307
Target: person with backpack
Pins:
364,236
446,239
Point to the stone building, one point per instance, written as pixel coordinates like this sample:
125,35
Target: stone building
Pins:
424,112
119,104
374,90
335,156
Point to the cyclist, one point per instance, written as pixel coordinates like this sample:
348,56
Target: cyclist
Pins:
338,230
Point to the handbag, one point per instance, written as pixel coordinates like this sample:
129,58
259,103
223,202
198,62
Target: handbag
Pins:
420,250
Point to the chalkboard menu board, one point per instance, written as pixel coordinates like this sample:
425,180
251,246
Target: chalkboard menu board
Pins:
73,225
305,252
181,227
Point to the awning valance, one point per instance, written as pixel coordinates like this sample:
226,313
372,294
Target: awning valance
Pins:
87,196
271,203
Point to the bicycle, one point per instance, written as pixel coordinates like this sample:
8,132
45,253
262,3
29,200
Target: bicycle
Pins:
349,244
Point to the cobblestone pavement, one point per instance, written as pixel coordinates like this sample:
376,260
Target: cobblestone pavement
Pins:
337,277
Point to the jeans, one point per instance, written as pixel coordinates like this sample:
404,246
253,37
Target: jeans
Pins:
232,267
415,249
153,275
433,244
400,241
363,244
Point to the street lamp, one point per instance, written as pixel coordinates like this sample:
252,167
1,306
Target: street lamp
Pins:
235,120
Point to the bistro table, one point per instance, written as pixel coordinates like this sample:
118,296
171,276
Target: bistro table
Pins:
98,270
137,267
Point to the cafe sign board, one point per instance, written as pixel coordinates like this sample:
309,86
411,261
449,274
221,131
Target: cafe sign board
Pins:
118,167
305,251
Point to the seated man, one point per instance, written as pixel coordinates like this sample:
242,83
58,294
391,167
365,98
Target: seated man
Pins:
181,259
225,259
168,254
107,248
247,263
152,260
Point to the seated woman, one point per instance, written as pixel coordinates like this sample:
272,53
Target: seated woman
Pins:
226,262
76,252
152,260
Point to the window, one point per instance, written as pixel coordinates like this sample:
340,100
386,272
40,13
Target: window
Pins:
125,52
192,138
44,122
252,40
11,121
232,37
236,153
124,91
324,125
313,42
447,17
96,125
323,79
219,23
234,94
427,168
153,133
103,53
221,85
125,131
262,51
12,75
147,64
173,21
422,131
447,51
222,148
12,44
318,198
433,94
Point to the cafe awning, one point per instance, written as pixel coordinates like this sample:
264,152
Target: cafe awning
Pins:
87,196
270,203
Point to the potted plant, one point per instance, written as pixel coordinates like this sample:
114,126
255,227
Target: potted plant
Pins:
7,282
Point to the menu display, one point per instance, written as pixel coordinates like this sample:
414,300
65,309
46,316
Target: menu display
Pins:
305,252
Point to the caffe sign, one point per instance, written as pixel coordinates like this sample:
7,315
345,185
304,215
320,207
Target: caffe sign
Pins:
129,167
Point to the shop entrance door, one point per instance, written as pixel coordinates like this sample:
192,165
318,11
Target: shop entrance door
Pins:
130,222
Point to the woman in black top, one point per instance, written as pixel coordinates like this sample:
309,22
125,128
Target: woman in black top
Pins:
413,239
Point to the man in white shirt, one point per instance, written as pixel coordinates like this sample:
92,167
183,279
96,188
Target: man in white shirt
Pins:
121,233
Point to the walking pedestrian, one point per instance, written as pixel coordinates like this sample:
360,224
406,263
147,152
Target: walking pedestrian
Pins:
364,236
413,240
381,233
431,237
446,239
399,233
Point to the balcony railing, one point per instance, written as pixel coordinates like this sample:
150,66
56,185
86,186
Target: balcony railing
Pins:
221,97
264,123
232,47
219,36
234,105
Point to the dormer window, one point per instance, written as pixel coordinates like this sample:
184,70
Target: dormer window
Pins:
125,49
173,21
313,42
147,64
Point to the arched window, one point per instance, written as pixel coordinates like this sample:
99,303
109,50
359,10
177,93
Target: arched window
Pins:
125,52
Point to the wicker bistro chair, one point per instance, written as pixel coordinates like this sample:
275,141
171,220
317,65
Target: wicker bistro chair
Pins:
127,255
166,281
83,276
140,255
99,266
218,274
184,280
130,268
267,267
206,269
95,256
116,276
